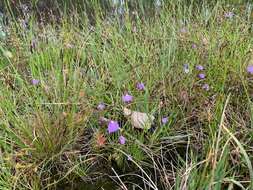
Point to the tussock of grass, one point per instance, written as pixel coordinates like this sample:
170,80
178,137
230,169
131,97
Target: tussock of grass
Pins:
51,135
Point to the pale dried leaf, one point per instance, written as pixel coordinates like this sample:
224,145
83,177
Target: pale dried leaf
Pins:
139,120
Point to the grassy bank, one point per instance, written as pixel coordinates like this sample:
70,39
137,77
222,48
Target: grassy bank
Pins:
64,85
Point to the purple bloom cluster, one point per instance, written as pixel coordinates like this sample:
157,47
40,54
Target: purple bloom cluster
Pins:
202,76
113,127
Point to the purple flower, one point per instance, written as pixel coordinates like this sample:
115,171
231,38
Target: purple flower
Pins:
186,68
35,81
206,87
101,106
140,86
229,14
199,67
201,75
127,98
194,46
122,140
129,157
183,30
250,69
165,120
113,126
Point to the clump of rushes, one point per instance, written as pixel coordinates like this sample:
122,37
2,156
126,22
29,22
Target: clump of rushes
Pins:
61,92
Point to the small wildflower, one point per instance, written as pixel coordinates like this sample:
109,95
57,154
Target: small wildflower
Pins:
165,120
250,69
122,140
194,46
127,98
113,126
186,68
35,81
140,86
101,106
229,14
206,87
129,158
201,75
199,67
183,30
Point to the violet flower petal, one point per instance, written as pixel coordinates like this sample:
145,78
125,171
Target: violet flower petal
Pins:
200,67
127,98
250,69
122,140
201,75
101,106
165,120
140,86
206,87
113,126
35,81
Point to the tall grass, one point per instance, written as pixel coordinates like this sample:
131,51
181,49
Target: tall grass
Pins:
54,74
